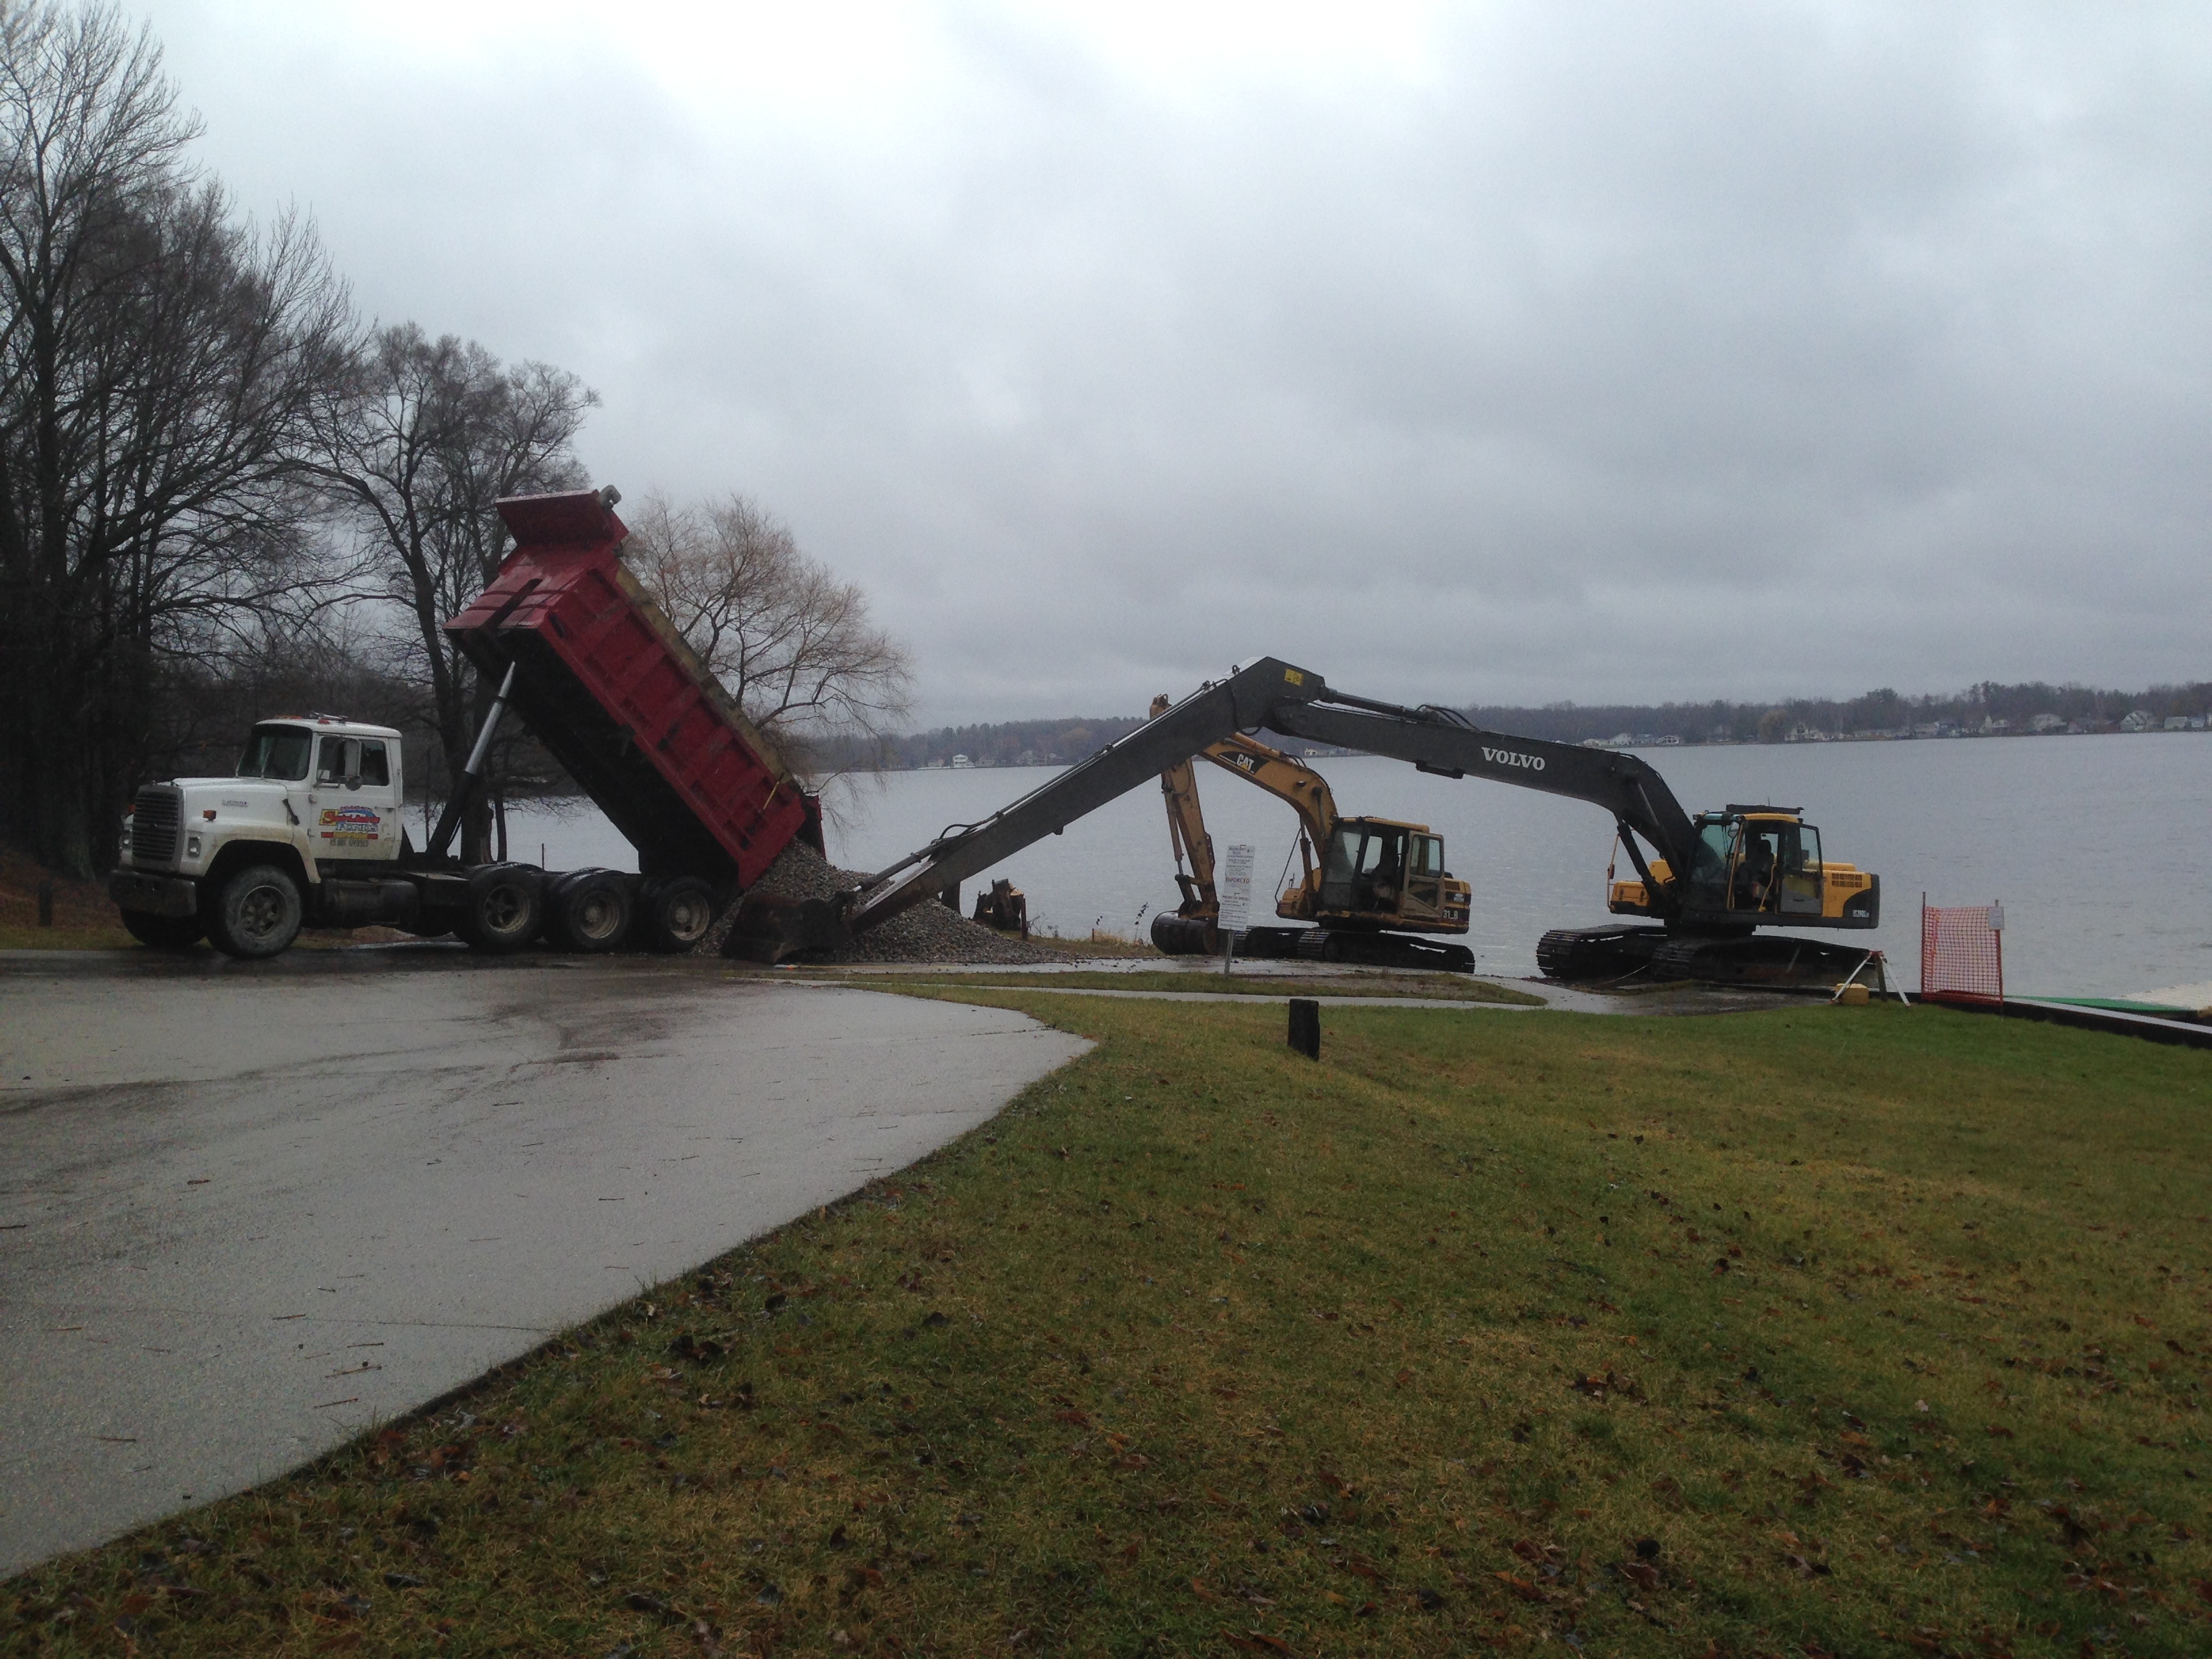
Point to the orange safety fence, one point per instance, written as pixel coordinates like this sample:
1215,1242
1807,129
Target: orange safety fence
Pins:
1962,951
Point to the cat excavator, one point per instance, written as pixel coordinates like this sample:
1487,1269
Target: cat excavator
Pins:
1706,887
1364,885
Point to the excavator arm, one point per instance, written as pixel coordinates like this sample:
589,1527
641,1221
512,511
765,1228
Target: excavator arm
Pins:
1187,833
1440,742
1281,776
769,929
1191,926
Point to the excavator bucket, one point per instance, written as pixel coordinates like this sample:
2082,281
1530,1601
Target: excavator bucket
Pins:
773,930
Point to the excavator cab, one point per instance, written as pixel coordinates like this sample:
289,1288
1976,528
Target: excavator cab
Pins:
1758,861
1385,872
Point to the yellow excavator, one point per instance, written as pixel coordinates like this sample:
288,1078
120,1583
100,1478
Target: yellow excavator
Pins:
1364,884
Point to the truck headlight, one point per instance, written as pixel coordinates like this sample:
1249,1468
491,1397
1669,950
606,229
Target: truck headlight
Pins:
192,847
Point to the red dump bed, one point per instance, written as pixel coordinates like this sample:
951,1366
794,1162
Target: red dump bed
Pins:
606,683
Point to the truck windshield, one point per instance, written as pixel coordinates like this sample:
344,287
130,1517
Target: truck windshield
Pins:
276,752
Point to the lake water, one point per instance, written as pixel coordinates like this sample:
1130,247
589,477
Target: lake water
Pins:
2093,844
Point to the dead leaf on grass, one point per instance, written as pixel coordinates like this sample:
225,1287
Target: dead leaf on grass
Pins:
1254,1641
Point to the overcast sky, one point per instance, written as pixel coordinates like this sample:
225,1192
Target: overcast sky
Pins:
1498,353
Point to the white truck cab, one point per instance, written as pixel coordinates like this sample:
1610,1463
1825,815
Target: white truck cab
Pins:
309,819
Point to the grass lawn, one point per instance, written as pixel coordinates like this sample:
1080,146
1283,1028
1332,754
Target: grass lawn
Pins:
84,916
1820,1332
1451,988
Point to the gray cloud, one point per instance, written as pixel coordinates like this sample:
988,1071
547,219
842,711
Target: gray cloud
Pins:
1598,351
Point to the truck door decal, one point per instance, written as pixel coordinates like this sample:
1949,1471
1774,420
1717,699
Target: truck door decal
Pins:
350,826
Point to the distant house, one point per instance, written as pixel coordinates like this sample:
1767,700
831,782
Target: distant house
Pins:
2048,723
2184,722
2141,720
960,762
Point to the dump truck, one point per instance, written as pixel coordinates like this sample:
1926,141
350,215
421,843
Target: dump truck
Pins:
309,829
1709,885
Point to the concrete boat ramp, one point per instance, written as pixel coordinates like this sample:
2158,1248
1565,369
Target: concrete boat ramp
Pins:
247,1210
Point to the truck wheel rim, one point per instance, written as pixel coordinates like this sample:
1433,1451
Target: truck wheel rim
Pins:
688,917
503,908
597,916
261,913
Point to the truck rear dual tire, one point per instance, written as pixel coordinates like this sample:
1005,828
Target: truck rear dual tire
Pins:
675,913
506,907
256,913
590,910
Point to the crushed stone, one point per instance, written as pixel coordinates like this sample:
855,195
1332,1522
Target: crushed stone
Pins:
928,932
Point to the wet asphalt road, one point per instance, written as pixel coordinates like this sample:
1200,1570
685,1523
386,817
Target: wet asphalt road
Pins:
248,1210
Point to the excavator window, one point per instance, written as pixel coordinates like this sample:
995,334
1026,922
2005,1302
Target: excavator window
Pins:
1709,867
1798,893
1364,868
1425,874
1752,887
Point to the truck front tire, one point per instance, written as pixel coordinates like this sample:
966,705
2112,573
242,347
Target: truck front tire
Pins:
676,913
163,932
256,913
505,909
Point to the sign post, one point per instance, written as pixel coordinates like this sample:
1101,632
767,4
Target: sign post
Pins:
1233,888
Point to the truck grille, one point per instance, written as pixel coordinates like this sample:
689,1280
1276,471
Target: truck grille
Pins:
153,827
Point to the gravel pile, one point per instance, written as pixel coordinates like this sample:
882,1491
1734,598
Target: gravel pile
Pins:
923,933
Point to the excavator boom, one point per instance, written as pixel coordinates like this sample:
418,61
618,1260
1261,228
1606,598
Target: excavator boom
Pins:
771,929
1438,742
1287,780
1187,838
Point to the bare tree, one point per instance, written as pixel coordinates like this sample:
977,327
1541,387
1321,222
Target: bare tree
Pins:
159,362
792,643
417,451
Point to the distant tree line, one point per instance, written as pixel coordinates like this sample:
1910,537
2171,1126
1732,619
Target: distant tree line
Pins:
1987,706
223,496
1886,712
1011,743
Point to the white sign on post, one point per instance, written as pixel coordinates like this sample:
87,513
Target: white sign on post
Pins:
1234,890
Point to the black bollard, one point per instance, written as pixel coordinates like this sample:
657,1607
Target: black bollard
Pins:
1305,1026
45,903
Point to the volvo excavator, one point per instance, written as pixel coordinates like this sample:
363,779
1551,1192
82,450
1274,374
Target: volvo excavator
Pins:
1364,885
1706,887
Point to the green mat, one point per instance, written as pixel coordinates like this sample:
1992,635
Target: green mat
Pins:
2122,1005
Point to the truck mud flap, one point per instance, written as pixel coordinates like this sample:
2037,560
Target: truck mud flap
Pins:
773,930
